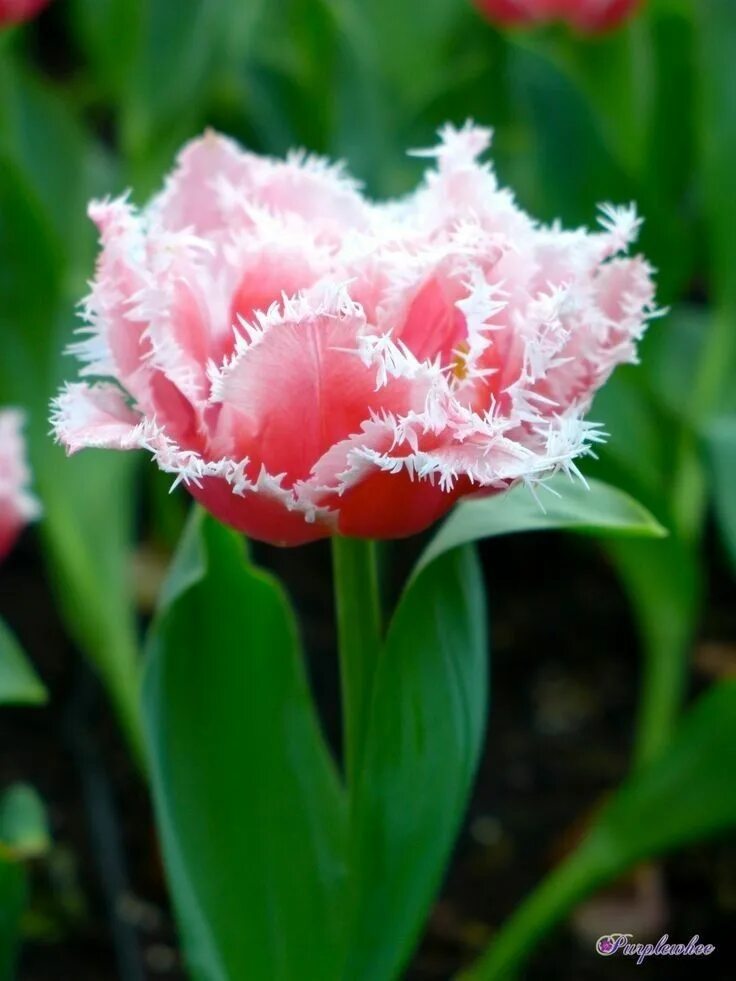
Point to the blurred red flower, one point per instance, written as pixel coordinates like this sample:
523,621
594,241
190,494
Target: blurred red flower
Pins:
585,15
14,11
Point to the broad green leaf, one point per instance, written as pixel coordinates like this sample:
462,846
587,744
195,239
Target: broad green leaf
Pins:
24,831
108,32
30,283
19,683
721,443
180,55
671,237
424,737
50,166
249,807
637,455
89,502
716,53
392,60
43,138
566,186
688,794
613,73
597,509
671,347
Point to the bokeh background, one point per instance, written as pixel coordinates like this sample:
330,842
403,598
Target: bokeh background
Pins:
595,647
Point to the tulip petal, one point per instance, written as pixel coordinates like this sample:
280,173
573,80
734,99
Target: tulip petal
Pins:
300,386
306,361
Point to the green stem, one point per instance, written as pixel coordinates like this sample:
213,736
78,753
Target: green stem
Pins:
553,899
663,683
359,639
668,624
662,583
124,689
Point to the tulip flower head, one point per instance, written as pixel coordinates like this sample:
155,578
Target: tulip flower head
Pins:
17,505
584,15
15,11
307,362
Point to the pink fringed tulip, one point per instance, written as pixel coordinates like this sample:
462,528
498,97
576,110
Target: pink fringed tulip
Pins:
17,506
584,15
15,11
308,362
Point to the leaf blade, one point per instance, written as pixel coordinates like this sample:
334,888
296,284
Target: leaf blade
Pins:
235,749
19,683
421,752
602,510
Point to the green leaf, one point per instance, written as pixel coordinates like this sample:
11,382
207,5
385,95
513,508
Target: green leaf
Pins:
49,166
688,794
89,503
671,347
249,807
637,454
19,683
24,831
716,52
420,754
721,444
30,280
177,61
108,31
43,138
595,510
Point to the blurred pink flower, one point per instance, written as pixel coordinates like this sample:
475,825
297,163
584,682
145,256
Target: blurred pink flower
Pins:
14,11
585,15
17,506
308,362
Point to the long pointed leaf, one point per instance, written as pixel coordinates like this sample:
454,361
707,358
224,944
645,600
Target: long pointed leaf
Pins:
599,509
19,683
424,738
249,807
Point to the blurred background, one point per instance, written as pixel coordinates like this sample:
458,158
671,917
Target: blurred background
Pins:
596,647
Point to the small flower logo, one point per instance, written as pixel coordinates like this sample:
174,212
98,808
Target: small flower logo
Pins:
610,943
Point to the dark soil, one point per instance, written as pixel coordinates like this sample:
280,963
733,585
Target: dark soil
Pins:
564,673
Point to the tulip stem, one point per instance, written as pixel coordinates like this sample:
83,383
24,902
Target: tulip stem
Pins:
579,875
357,605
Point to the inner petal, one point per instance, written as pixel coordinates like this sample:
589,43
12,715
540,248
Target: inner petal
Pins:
297,391
267,275
434,325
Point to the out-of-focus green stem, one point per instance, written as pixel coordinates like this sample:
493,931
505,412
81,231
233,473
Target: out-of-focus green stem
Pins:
715,47
666,666
563,888
357,605
125,692
666,605
662,690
